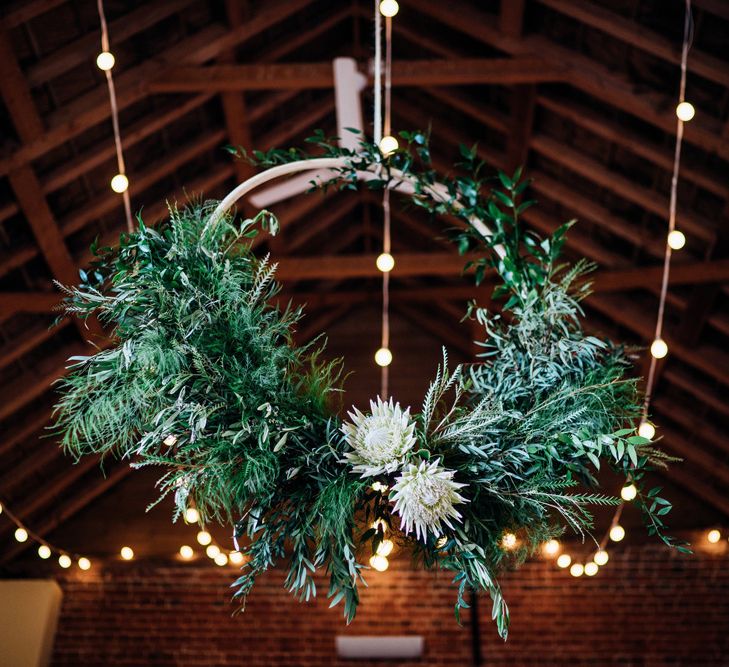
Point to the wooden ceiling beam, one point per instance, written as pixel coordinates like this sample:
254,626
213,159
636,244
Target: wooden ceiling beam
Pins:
23,11
692,422
25,429
511,17
279,76
708,494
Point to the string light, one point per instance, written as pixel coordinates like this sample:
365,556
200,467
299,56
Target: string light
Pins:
442,541
170,440
44,551
186,552
385,548
508,541
383,357
646,430
685,111
379,486
204,538
591,569
564,560
379,563
1,508
84,563
120,183
221,559
236,557
127,553
601,557
617,533
192,515
21,534
551,548
628,492
713,536
212,551
105,61
659,348
385,262
577,569
389,8
388,145
64,560
676,239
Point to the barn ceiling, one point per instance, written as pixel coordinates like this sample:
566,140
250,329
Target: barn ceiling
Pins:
581,92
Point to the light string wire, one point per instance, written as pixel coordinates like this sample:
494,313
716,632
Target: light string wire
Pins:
115,117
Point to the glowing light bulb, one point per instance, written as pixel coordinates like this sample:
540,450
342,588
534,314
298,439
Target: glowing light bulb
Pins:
186,552
551,548
564,560
379,525
379,486
601,557
204,538
84,563
617,533
1,508
119,184
127,553
385,548
659,349
685,111
628,492
389,8
388,144
170,440
442,541
379,563
591,569
64,561
21,534
676,239
221,559
383,357
236,557
385,262
577,569
646,430
44,551
105,61
713,536
192,515
212,551
508,541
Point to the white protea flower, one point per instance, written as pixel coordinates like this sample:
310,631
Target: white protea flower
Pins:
425,496
379,440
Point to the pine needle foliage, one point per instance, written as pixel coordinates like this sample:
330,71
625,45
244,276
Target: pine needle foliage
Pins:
205,381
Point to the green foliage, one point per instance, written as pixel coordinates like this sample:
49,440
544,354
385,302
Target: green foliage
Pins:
205,363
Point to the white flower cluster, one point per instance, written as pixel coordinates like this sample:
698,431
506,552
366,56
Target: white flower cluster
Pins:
424,493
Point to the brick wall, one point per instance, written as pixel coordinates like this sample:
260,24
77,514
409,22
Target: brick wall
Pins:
647,607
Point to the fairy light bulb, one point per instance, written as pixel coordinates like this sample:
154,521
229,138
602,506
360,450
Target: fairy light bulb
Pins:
385,262
221,559
21,534
64,560
383,357
204,538
379,563
659,349
105,61
127,553
212,551
713,536
591,569
385,548
676,239
235,557
379,486
388,144
685,111
508,541
44,551
601,557
617,533
442,541
551,547
192,515
577,569
84,563
1,508
388,8
119,183
170,440
629,492
564,560
379,525
646,430
186,552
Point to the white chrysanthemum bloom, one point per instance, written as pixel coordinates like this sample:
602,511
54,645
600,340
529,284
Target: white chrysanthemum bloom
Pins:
379,440
425,496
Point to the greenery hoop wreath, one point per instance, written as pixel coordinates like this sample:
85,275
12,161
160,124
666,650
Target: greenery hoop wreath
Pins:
206,382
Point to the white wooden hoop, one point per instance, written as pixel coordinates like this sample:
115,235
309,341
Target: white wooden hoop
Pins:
400,181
